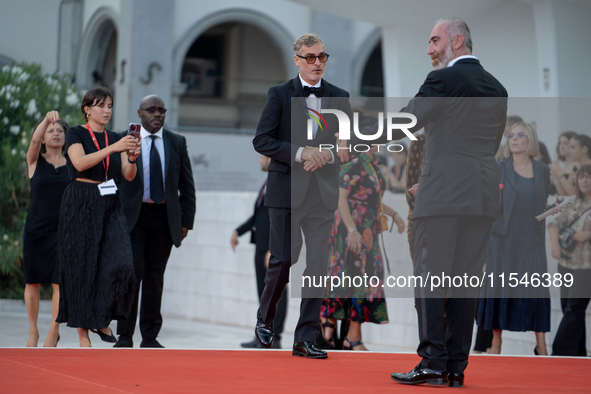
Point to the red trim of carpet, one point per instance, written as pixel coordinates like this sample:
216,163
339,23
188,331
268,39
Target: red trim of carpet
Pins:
190,371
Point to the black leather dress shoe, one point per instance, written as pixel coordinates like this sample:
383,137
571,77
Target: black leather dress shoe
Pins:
308,349
153,343
421,375
455,379
124,341
265,334
255,344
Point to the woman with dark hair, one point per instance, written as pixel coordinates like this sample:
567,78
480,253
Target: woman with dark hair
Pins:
580,152
48,178
98,277
570,337
517,244
564,164
355,251
580,149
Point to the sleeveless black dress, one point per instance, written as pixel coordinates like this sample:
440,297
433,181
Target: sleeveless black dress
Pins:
40,257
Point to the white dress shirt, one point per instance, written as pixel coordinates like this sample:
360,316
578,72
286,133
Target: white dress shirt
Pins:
146,149
316,104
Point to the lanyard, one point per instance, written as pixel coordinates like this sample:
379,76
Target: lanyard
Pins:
99,148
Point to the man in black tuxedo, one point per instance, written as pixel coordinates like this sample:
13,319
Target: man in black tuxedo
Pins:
302,189
463,110
258,225
159,206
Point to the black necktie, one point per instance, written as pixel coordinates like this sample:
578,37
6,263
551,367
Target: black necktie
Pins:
156,184
315,91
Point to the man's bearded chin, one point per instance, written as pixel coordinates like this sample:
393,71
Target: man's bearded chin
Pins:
436,63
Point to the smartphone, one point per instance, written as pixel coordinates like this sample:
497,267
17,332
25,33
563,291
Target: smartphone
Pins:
134,130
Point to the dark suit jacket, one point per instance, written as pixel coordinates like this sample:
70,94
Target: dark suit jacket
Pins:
179,188
540,197
275,137
258,225
463,109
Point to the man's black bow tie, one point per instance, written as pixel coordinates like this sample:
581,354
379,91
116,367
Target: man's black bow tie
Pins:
315,91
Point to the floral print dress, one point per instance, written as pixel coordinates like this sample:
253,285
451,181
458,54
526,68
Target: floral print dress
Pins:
363,299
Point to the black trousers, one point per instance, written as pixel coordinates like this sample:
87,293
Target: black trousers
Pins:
261,270
570,339
151,244
450,246
314,221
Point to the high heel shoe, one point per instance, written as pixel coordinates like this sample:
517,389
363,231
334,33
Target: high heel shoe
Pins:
323,342
105,337
352,344
536,351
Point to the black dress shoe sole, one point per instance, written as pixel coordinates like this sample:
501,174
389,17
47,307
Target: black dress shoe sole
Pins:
302,354
431,381
456,384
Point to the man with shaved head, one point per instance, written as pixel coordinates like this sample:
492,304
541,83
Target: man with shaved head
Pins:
463,110
159,206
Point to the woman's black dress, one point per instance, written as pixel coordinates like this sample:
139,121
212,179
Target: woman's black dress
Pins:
519,309
98,280
40,257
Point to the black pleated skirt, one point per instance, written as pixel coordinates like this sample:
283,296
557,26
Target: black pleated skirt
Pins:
98,280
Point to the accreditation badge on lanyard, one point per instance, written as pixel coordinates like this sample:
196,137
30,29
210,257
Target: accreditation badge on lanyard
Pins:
108,187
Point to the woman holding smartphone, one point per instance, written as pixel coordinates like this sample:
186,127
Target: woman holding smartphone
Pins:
98,277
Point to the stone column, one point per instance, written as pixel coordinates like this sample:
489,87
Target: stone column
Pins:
145,50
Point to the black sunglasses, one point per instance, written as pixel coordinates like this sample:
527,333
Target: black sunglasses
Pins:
151,110
310,59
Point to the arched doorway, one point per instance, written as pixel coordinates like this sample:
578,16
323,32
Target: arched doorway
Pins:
97,65
228,70
372,79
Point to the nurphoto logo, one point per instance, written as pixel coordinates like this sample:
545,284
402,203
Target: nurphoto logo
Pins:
344,129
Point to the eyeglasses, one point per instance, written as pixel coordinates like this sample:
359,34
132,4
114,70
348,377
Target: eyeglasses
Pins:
518,135
311,59
151,110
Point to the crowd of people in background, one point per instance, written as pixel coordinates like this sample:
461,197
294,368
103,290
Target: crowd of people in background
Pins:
531,179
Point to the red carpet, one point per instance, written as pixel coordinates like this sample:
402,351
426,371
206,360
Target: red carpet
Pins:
193,371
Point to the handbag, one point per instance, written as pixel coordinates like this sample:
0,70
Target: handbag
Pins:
381,215
565,234
383,222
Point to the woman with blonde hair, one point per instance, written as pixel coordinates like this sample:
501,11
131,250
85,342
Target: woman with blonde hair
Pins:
517,245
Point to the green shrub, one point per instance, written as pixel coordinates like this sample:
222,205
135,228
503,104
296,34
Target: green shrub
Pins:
26,95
